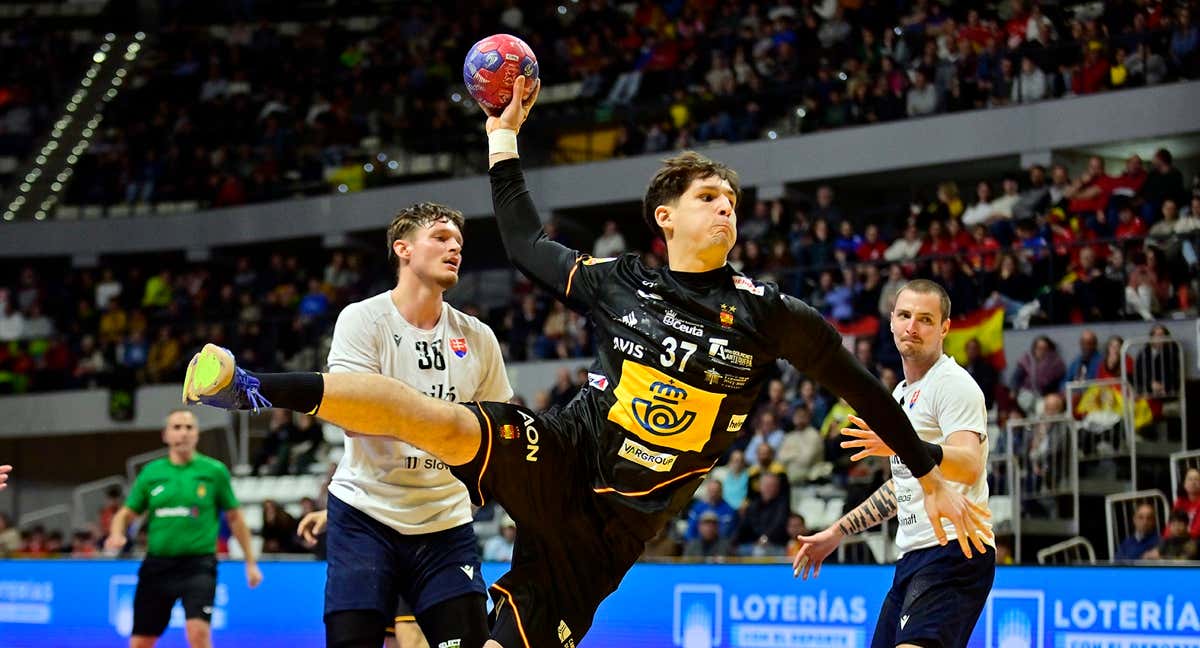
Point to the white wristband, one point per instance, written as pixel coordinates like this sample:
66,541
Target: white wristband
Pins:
502,140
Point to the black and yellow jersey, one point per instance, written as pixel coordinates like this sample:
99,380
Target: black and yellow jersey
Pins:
681,358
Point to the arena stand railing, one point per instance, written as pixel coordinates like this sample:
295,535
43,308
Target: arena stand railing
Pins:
1073,551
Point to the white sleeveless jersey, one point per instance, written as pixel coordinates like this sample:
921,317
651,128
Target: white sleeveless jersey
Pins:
946,400
458,360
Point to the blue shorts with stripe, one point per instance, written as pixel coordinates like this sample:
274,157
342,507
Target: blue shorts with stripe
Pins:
370,565
936,598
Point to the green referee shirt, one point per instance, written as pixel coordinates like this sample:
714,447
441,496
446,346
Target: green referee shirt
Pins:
184,504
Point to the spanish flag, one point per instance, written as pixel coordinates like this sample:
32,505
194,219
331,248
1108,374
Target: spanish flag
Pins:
987,326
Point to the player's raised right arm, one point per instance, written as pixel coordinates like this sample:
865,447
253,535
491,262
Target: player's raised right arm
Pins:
548,263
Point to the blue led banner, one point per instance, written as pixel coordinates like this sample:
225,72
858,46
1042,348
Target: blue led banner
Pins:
90,603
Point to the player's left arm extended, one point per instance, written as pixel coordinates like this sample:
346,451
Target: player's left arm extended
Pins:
960,457
815,348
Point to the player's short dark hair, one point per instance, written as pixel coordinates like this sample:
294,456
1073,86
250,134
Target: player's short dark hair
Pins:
927,287
415,217
675,176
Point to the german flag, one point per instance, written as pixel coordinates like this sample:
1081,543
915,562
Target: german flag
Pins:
985,325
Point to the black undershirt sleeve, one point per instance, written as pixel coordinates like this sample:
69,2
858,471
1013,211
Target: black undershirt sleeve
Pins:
815,348
545,262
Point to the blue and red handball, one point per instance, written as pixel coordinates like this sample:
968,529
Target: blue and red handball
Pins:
492,66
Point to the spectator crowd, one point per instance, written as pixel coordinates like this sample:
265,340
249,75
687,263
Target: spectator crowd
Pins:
231,107
1047,248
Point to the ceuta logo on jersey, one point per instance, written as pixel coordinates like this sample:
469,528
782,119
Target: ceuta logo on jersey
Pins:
662,410
459,346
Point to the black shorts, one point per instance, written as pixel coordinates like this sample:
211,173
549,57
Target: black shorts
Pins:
572,548
936,597
164,580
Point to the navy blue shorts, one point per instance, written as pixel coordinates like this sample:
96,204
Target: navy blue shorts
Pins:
370,565
936,598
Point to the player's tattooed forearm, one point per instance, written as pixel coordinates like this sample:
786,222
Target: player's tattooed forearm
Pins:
879,506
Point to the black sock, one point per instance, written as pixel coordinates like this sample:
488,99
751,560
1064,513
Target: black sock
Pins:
299,391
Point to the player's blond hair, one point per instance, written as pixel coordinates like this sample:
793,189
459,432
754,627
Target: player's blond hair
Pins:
927,287
415,217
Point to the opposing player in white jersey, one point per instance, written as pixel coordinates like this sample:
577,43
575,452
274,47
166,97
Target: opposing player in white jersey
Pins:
399,523
937,594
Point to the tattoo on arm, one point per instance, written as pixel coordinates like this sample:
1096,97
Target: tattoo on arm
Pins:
879,507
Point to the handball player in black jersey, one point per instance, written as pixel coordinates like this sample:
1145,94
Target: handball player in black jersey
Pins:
682,353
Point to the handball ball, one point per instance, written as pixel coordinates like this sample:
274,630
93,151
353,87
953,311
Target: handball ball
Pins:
492,66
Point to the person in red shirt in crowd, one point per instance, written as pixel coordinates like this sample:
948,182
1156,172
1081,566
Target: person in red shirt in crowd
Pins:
1130,182
983,250
1129,226
871,248
1089,192
959,238
936,243
1062,237
976,31
1093,72
1014,29
1189,501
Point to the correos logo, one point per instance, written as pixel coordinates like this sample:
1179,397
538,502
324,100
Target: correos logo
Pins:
663,410
658,415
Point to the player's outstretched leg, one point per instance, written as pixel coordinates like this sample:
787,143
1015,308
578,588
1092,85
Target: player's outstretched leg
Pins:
368,404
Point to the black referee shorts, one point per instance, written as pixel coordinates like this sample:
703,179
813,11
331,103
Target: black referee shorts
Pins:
164,580
572,547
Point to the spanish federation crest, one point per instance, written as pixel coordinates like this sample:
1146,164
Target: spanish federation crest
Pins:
727,312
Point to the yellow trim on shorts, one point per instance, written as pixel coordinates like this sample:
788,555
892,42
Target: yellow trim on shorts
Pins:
487,456
516,613
654,488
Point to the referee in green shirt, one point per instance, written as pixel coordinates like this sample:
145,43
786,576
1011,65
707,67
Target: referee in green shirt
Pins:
183,495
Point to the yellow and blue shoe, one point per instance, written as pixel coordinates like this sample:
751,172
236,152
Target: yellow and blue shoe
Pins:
214,379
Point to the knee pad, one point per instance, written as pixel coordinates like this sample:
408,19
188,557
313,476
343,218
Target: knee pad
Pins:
355,629
462,618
